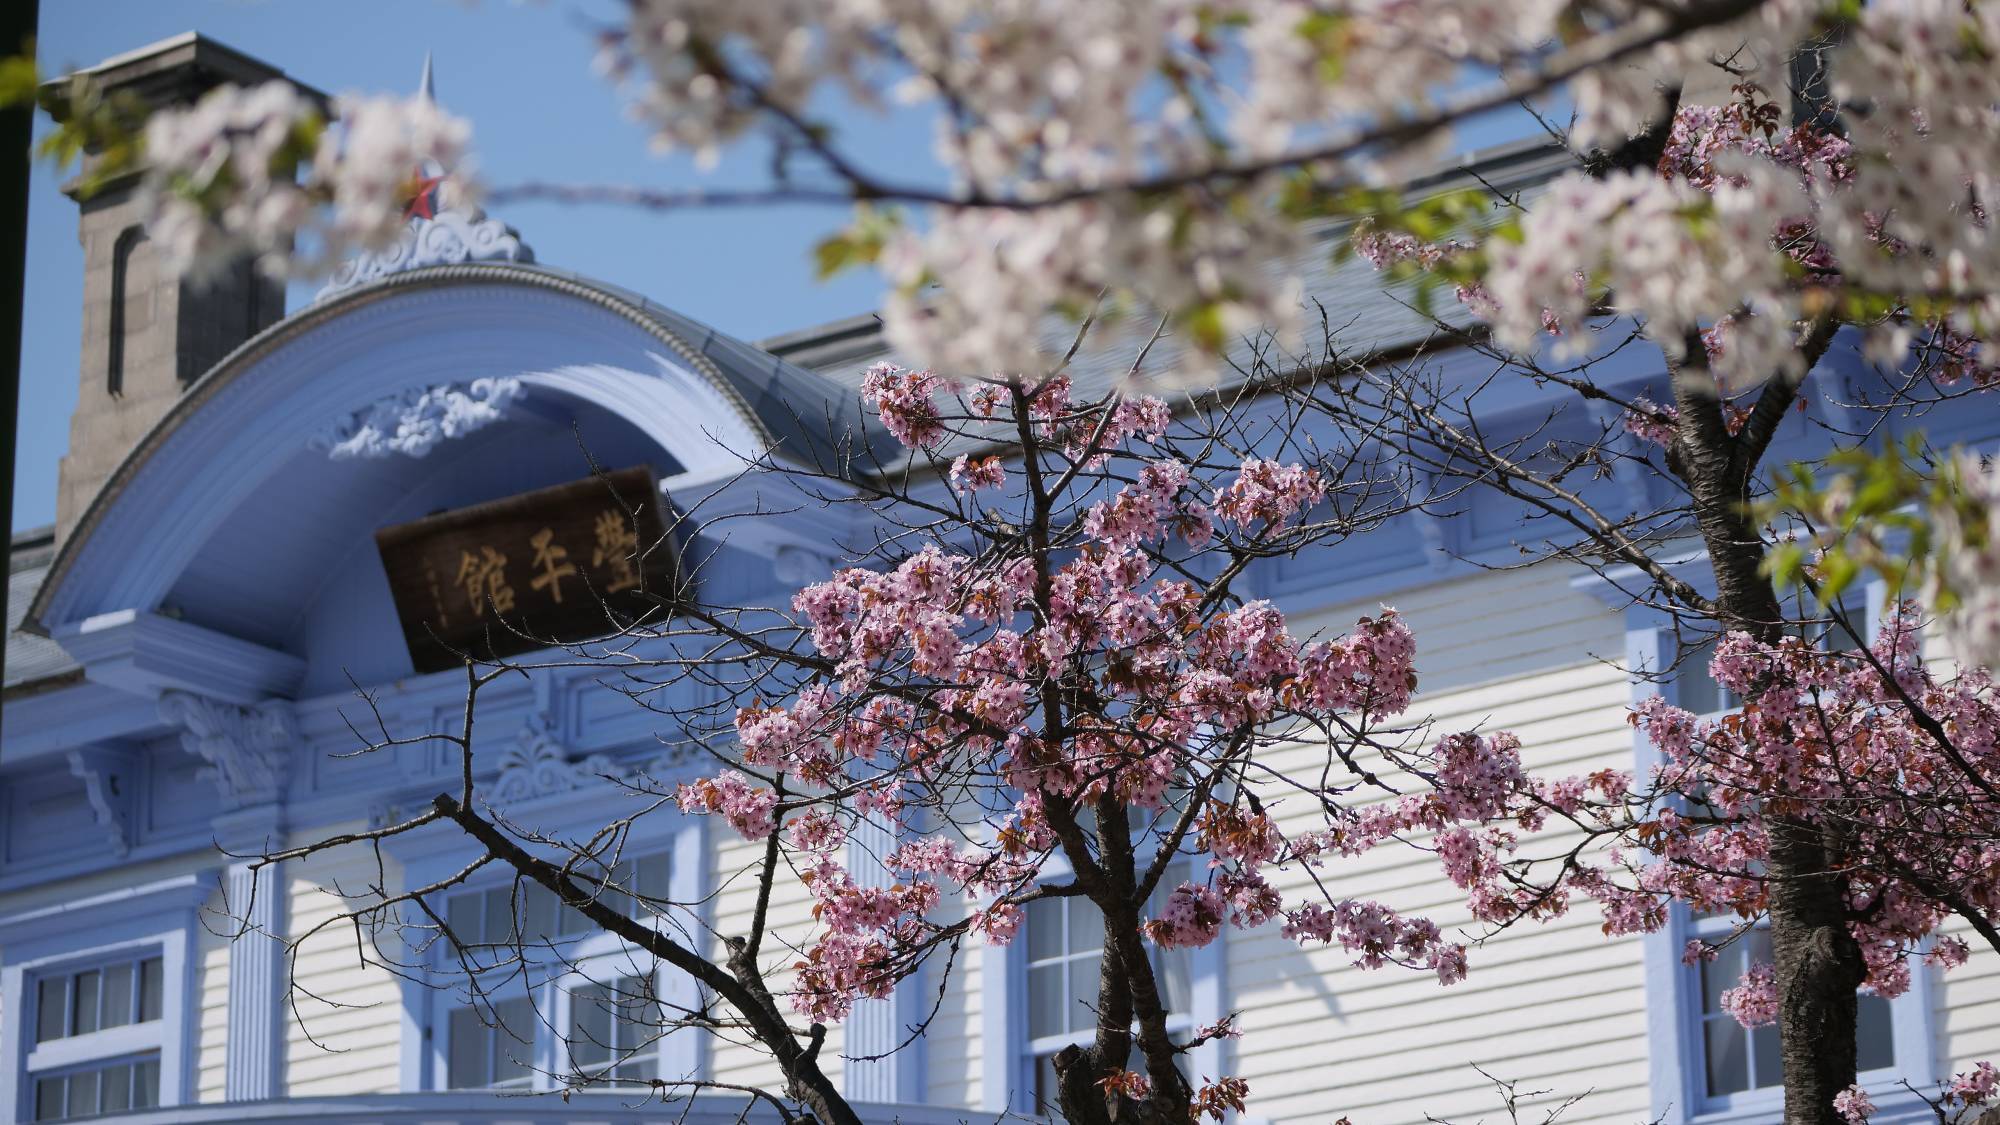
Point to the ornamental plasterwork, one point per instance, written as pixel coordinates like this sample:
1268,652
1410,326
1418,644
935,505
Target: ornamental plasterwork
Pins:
536,765
451,238
413,422
245,747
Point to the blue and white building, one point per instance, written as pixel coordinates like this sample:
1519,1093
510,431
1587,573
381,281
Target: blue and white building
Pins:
185,646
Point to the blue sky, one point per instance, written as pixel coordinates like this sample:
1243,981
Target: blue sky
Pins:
521,72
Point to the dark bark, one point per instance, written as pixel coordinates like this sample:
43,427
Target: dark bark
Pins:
740,983
1818,963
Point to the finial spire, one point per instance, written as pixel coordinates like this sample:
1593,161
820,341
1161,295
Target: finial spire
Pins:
425,88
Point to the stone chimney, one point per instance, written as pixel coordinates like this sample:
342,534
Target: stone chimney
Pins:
147,334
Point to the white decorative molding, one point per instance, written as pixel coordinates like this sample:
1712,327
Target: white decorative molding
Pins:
451,238
245,747
108,781
413,422
536,765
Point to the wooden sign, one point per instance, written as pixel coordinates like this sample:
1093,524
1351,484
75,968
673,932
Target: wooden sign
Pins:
557,565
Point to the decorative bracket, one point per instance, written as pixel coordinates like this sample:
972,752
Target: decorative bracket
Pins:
245,747
109,778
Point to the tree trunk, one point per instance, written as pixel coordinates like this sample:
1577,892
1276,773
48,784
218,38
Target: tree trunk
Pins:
1818,963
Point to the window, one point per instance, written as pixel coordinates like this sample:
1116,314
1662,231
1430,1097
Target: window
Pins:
566,1003
96,1036
94,1014
610,1027
118,994
1736,1059
491,1047
133,1084
1064,939
489,921
122,295
614,1033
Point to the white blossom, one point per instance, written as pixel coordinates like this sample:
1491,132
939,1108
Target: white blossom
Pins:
222,177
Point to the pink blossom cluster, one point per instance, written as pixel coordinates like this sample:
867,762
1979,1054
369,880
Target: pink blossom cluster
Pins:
1149,508
861,927
746,806
1268,493
1649,421
970,474
1190,916
906,401
1974,1087
1853,1105
1754,999
1378,936
816,831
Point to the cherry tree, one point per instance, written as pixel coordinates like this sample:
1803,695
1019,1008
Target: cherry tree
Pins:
1809,819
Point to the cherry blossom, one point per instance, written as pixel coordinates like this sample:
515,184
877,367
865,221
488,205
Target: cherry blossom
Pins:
970,474
1854,1105
219,177
1753,1001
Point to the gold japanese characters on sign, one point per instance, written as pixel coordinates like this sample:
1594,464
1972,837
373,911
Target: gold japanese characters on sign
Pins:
557,565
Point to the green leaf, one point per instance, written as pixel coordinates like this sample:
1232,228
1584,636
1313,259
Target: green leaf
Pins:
18,80
1204,323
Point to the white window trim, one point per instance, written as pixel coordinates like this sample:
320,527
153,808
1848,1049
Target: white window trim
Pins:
594,958
157,917
599,959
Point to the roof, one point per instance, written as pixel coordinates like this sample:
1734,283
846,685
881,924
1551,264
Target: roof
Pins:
803,410
31,659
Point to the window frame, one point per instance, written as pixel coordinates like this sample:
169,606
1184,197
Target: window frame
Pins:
593,958
1009,1058
156,918
1677,1050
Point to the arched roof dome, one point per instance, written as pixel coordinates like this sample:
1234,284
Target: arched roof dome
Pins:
230,488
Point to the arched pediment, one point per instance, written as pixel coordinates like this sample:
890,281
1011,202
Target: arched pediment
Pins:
237,515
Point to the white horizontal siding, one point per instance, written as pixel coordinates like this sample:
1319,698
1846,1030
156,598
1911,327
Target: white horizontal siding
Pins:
342,1017
1966,1008
734,874
211,952
1556,1008
953,1070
